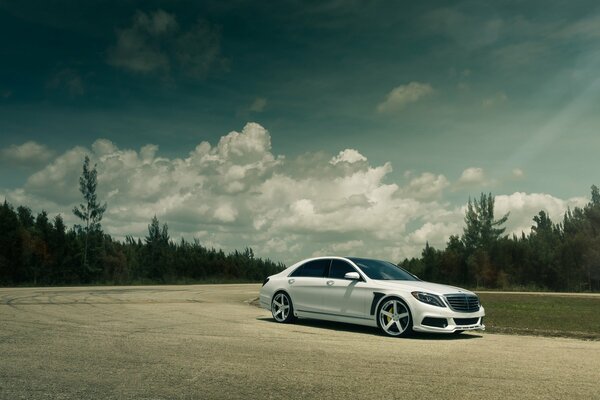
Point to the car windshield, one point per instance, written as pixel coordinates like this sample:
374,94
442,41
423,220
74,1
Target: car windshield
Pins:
383,270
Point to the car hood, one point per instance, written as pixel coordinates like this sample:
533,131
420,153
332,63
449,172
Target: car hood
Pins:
434,288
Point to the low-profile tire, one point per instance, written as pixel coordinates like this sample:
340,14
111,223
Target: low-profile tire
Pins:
282,308
394,317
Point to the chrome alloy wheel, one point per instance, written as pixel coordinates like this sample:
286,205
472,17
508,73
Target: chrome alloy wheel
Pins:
281,307
394,317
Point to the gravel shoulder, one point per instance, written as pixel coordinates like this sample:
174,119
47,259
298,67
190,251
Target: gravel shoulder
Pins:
209,342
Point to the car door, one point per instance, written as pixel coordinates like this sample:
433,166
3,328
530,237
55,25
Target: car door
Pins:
345,297
306,285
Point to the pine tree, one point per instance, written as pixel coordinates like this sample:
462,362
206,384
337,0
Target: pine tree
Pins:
90,211
595,196
11,246
481,228
25,217
156,235
157,243
58,248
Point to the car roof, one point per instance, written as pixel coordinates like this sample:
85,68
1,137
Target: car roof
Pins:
349,258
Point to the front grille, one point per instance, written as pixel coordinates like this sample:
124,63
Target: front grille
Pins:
463,302
437,322
466,321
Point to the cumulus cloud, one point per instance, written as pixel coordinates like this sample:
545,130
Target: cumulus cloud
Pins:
349,155
426,186
237,193
403,95
156,43
29,153
55,182
524,206
472,176
435,233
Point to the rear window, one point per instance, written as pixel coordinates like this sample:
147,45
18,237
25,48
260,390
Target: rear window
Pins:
313,269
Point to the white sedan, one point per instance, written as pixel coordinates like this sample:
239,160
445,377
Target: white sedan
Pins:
369,292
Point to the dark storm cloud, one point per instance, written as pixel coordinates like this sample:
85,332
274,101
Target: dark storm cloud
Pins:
155,42
69,80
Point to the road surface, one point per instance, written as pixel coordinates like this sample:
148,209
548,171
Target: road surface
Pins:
209,342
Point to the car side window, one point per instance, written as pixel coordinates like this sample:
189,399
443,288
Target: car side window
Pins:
313,269
339,268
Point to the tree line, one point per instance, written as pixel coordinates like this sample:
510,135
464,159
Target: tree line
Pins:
562,256
38,250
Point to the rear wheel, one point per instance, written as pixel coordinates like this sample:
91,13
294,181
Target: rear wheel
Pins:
281,308
394,318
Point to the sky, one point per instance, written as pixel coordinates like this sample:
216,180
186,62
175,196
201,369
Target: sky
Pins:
301,128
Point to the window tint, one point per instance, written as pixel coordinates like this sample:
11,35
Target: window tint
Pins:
315,269
340,268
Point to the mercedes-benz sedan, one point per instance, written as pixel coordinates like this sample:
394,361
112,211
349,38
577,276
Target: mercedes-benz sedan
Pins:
369,292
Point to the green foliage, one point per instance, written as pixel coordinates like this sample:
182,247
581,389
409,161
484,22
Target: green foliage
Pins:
90,212
25,216
481,229
41,251
561,257
547,315
157,250
11,244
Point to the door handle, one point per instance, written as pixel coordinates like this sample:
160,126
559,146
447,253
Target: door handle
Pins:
330,283
290,281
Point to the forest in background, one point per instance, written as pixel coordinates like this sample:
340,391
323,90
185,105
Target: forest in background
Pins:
563,256
40,251
37,250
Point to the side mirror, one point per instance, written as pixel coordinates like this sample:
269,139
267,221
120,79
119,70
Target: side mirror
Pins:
354,276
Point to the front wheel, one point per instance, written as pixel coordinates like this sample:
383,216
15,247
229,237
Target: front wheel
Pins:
281,308
394,318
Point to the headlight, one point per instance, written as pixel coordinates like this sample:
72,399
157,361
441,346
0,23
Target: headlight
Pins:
429,298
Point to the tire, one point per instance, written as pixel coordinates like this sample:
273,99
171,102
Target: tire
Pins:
282,308
394,318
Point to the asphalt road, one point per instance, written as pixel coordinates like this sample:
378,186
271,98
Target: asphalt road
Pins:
209,342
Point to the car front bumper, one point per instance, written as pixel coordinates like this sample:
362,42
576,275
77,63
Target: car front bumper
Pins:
432,319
